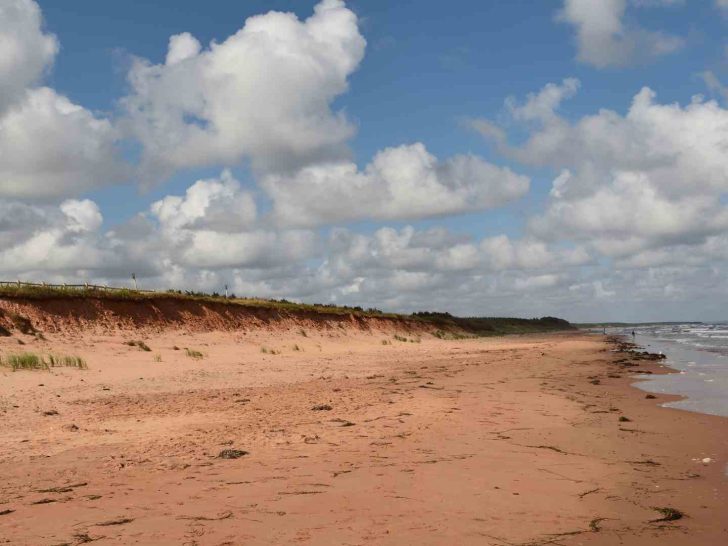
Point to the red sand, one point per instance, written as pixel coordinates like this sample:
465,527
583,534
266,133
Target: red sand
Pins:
501,441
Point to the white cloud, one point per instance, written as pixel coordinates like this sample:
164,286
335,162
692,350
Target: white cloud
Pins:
214,226
218,204
51,147
714,85
61,240
25,50
181,47
604,39
398,269
651,178
636,215
542,106
401,182
82,215
536,282
264,94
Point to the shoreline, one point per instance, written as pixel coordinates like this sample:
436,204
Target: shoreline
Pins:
504,441
678,428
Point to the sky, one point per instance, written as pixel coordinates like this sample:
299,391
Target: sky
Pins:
565,157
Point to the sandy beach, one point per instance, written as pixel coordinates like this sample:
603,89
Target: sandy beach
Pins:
346,436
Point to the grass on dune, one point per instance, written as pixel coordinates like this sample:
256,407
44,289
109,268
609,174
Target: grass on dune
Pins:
405,339
24,361
71,292
447,325
67,362
192,353
32,361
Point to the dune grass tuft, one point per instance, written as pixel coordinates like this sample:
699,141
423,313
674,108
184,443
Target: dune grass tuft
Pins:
24,361
31,361
192,353
55,361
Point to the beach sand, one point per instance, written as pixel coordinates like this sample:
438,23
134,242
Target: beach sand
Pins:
502,441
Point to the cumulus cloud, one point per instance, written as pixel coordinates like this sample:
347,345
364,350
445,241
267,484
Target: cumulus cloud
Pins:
263,95
26,51
400,269
653,177
636,214
402,182
57,241
213,226
49,146
52,147
218,204
604,39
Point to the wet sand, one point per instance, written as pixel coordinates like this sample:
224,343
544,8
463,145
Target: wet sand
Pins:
502,441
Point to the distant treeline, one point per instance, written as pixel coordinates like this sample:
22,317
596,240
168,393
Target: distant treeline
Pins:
484,326
630,324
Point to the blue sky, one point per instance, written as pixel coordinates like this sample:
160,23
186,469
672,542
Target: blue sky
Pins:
424,72
426,75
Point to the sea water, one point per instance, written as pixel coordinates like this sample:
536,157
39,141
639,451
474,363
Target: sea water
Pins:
700,354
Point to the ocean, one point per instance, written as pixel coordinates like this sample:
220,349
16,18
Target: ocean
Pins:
699,351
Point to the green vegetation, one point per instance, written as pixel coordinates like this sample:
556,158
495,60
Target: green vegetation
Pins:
492,326
447,325
25,361
627,324
442,334
124,294
67,361
405,340
192,353
31,361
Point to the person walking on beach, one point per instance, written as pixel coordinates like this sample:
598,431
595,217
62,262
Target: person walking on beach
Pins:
633,336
